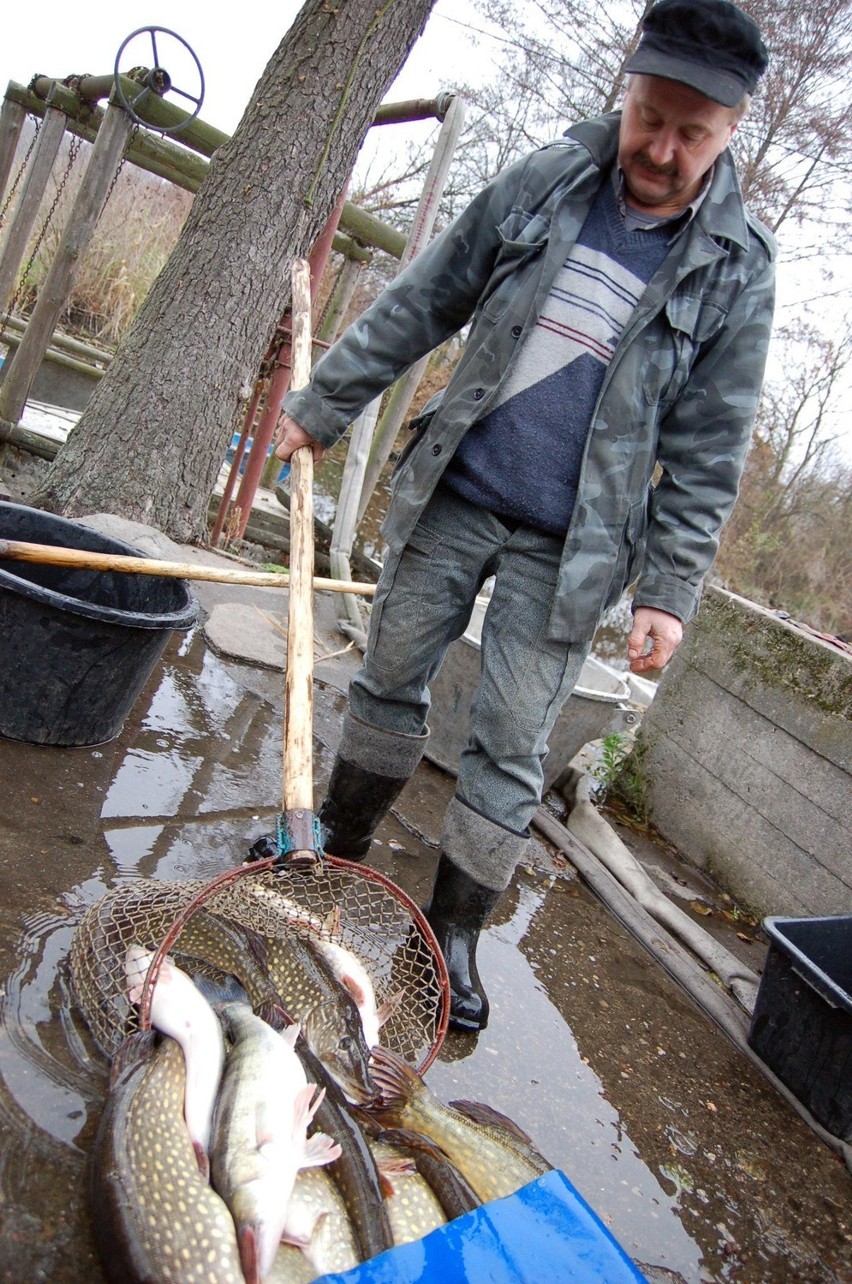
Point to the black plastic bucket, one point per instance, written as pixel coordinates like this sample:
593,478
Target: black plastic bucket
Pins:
77,646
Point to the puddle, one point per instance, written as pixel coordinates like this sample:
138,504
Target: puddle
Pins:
590,1048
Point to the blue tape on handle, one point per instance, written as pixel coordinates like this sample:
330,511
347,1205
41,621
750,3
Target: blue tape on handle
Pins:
545,1231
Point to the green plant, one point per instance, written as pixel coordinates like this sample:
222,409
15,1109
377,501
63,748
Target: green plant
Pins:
619,773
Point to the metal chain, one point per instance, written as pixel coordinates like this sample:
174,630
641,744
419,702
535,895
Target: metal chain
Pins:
131,137
10,196
73,149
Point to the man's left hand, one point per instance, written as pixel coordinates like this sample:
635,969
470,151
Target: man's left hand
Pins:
665,633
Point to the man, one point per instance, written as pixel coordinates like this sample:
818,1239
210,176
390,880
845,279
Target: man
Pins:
621,301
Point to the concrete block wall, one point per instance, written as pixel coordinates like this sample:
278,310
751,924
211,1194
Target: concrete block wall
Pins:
747,750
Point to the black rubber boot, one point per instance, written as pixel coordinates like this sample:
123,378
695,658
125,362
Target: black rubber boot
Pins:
456,913
354,805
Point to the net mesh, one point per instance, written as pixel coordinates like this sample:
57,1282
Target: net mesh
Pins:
351,905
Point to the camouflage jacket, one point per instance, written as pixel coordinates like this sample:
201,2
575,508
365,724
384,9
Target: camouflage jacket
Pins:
681,390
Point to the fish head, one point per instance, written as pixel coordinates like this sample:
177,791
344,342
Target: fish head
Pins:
336,1038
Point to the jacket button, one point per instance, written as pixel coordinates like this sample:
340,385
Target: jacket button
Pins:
517,331
479,394
436,450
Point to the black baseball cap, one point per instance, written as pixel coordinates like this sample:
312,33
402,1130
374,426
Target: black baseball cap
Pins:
710,45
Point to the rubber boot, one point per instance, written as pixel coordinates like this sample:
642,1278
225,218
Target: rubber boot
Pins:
355,804
456,913
369,773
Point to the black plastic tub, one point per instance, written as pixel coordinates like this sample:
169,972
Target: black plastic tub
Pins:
802,1021
77,646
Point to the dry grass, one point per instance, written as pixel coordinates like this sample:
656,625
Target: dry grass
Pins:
134,236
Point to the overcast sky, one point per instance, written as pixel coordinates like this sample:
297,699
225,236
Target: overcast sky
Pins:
53,38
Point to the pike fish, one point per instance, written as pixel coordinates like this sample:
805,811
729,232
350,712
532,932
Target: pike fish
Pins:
453,1192
260,1141
490,1151
156,1217
179,1009
328,1014
413,1208
317,1214
354,1173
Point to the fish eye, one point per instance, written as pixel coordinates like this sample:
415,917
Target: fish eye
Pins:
345,1043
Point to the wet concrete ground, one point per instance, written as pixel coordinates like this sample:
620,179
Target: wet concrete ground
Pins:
688,1155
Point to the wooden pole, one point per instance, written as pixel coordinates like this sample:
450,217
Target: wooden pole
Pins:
91,196
29,202
12,117
15,550
298,786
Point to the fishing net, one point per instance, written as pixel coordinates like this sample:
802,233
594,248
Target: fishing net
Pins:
350,904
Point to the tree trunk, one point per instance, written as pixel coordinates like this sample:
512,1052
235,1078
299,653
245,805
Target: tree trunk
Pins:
152,439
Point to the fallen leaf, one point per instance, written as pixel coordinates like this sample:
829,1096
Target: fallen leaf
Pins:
700,908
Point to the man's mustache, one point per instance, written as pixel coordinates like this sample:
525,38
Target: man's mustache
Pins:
664,171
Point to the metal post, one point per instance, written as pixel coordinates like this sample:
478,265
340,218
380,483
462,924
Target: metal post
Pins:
29,201
12,117
280,383
360,478
424,221
91,197
339,299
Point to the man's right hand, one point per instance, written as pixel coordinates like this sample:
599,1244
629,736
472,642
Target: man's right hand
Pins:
291,436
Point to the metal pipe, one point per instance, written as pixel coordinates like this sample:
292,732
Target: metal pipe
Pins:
361,478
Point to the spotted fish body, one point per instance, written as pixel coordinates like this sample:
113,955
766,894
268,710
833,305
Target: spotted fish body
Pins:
493,1157
328,1014
413,1208
156,1218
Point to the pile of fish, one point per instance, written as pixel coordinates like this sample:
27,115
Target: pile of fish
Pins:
260,1132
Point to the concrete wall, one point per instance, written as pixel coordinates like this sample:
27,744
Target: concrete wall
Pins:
748,756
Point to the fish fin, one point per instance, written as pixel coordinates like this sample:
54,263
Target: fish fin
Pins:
273,1014
290,1033
479,1112
202,1159
135,1048
320,1149
247,1240
306,1105
394,1078
387,1009
411,1140
331,922
395,1166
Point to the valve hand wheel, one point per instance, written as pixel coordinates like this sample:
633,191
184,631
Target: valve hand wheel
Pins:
157,80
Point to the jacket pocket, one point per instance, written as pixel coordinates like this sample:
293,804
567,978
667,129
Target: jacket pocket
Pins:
522,237
689,322
418,427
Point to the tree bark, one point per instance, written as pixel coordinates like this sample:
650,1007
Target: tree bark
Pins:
152,439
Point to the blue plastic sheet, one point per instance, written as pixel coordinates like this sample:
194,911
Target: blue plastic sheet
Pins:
543,1234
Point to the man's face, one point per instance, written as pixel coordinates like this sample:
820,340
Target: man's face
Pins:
670,136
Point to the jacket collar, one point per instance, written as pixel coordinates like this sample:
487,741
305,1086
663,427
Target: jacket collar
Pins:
721,214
